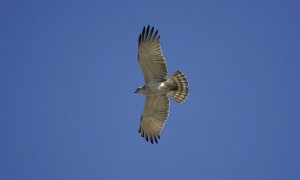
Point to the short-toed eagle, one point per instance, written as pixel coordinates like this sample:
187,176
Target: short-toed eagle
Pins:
158,88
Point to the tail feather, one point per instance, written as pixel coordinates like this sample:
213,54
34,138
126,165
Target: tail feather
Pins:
181,86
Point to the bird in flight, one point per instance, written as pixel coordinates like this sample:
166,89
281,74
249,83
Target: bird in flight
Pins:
158,88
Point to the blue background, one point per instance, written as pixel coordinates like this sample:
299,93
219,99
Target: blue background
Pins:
68,70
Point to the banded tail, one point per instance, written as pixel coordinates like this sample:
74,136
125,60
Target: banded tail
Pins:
181,88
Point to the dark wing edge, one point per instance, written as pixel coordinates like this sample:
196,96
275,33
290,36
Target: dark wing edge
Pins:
146,36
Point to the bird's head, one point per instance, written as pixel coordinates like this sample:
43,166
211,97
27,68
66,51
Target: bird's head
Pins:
139,90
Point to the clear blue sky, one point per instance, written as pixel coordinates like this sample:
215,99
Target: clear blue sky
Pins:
68,70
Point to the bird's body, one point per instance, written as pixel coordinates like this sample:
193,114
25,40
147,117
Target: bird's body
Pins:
157,88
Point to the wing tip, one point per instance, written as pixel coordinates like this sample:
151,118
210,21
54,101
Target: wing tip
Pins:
147,34
152,139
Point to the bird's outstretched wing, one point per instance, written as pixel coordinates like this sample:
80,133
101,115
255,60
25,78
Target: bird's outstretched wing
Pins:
150,56
155,114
